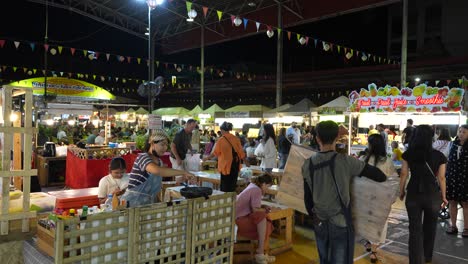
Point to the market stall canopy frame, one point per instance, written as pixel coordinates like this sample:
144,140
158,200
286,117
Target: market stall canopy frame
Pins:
303,107
171,111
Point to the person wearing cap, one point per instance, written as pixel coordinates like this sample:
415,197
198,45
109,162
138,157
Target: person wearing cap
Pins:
147,171
229,151
115,182
101,138
293,133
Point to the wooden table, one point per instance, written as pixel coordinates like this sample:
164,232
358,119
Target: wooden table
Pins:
276,173
173,193
279,212
213,178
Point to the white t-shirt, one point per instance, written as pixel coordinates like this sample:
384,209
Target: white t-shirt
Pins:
108,184
99,140
296,134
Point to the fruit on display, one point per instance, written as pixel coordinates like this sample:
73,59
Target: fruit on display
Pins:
443,91
373,91
406,92
431,90
364,93
394,91
418,90
435,109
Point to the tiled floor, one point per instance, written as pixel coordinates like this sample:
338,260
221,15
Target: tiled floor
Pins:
449,249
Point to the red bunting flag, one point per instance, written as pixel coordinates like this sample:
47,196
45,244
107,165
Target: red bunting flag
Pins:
96,54
72,50
205,10
2,42
448,82
232,19
289,35
46,47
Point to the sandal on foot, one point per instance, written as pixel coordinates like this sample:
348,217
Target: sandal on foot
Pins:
373,257
452,230
465,232
367,245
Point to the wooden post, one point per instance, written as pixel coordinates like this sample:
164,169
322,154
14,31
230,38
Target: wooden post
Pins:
17,181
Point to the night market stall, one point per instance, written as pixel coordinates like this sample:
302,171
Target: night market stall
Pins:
393,106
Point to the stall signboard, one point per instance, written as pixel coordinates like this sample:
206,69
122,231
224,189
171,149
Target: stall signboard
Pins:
236,114
421,98
65,88
154,121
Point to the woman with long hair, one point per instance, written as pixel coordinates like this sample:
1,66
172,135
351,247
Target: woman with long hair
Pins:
426,192
252,217
284,145
267,149
457,180
442,143
376,155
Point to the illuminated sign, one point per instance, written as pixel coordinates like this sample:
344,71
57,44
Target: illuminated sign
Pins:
421,98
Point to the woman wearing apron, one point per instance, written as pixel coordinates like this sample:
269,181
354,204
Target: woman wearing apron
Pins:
147,171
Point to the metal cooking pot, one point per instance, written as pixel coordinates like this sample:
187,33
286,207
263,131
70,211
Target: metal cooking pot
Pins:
195,192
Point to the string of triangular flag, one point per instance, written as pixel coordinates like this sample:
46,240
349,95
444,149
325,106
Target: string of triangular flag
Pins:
303,39
35,72
95,55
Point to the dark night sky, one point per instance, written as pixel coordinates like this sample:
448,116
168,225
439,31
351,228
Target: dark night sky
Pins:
23,20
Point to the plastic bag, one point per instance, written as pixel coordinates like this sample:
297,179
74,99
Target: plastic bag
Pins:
192,163
246,173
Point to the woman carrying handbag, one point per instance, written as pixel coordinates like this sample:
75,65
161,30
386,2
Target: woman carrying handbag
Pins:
426,192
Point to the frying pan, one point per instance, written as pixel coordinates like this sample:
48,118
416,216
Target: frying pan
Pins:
195,192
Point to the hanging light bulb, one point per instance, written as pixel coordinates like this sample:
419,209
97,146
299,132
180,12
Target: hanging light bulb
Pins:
302,41
53,51
191,15
270,33
237,21
326,46
349,55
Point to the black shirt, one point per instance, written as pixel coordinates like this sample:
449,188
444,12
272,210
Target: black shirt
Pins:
422,180
182,141
408,133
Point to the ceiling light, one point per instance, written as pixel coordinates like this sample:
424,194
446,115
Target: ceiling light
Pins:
147,33
417,79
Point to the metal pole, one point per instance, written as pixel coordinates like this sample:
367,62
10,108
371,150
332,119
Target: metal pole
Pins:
46,40
202,66
150,62
404,44
279,60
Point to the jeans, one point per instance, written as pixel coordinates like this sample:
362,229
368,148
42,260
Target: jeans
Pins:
333,244
283,158
423,210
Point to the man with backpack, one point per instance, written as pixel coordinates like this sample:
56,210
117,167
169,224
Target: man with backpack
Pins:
327,179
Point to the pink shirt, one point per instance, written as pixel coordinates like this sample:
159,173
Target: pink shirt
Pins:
249,198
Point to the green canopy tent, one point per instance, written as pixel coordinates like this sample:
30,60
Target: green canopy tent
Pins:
141,111
172,111
195,111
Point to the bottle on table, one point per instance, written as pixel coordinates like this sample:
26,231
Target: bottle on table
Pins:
115,202
108,203
72,212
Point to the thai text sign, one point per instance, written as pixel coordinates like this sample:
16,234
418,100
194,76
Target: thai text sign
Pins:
421,98
237,114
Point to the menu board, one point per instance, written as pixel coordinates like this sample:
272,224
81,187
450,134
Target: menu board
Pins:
421,98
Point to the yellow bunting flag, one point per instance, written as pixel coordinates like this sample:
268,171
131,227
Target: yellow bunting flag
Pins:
94,76
84,53
139,60
189,6
279,31
60,49
220,14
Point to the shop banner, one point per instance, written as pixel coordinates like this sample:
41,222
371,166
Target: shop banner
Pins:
236,114
421,98
65,88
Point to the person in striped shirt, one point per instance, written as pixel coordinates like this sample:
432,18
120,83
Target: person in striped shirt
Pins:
147,171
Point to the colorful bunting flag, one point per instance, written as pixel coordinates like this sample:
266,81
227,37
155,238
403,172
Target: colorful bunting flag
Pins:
279,31
189,6
289,35
60,49
72,50
315,42
232,19
245,20
32,45
139,60
128,59
84,53
25,69
205,10
46,47
2,42
17,43
257,24
437,82
220,14
14,69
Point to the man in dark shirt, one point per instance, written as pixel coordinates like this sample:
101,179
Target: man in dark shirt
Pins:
407,132
330,208
181,144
